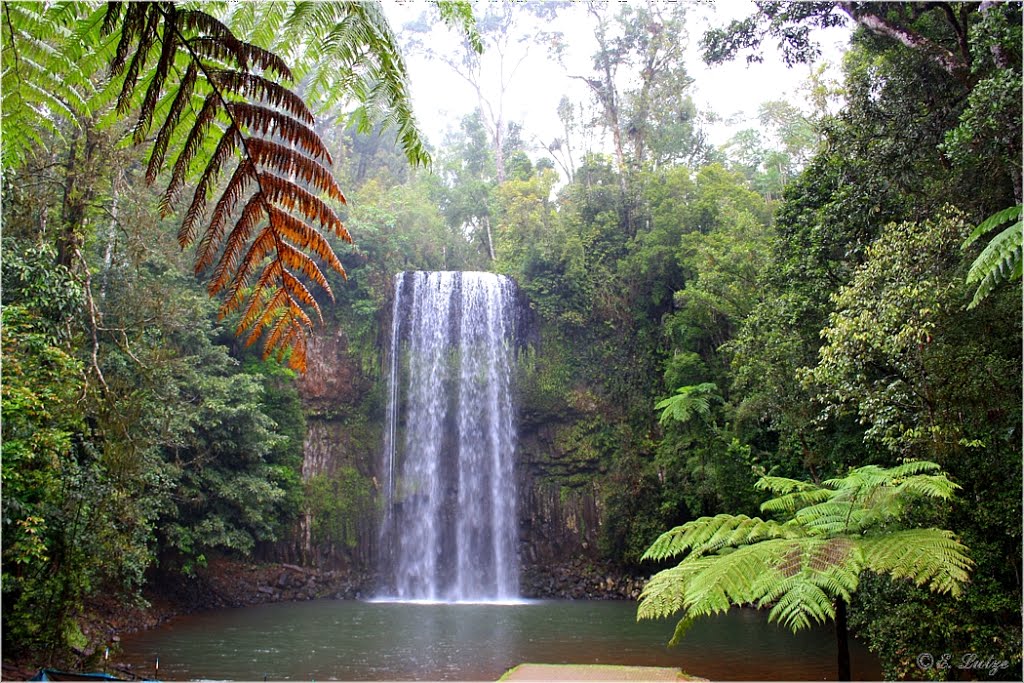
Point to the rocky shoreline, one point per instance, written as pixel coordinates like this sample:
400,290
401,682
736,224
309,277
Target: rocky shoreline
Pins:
580,579
223,583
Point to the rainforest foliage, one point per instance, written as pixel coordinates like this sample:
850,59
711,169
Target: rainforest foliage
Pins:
801,304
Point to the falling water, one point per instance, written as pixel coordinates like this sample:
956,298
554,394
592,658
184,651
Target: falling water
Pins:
449,530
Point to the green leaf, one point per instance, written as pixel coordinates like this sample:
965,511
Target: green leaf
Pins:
1000,261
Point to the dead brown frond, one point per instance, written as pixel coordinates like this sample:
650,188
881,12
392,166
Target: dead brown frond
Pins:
280,165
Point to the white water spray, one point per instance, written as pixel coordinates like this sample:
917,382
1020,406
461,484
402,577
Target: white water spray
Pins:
449,531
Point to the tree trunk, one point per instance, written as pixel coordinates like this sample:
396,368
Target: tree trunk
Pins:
78,193
499,153
842,642
490,241
71,207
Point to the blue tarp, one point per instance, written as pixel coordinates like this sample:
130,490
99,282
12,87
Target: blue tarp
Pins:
55,675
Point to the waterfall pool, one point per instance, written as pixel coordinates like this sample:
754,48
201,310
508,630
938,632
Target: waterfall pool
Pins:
350,640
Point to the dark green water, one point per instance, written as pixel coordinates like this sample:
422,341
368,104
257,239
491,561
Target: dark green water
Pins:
347,640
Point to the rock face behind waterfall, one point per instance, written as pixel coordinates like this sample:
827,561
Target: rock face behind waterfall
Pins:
449,529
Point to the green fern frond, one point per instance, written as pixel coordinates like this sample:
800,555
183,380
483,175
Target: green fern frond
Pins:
911,467
783,485
733,577
992,222
710,534
801,567
829,518
45,81
688,401
791,495
1000,261
459,14
832,565
926,556
349,60
800,604
665,593
927,486
711,584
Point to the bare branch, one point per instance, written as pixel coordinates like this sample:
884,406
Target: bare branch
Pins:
877,24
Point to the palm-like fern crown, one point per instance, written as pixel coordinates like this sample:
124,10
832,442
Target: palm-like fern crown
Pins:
799,566
687,402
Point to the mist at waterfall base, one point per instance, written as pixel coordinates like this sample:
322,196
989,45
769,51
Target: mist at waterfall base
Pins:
449,526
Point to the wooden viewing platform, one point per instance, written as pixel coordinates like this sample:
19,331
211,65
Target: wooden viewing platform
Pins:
594,672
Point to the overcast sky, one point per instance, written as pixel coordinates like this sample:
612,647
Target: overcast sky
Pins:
441,98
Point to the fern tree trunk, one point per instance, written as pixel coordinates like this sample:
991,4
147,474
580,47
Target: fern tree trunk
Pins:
78,193
842,642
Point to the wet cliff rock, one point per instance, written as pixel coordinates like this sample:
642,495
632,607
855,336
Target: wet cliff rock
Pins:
334,379
340,451
562,468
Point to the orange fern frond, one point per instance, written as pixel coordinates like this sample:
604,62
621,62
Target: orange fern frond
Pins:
134,22
271,272
255,315
294,198
266,121
294,341
188,152
295,259
110,20
253,86
268,131
299,314
244,175
163,137
251,215
298,291
290,162
168,48
229,141
274,338
305,236
146,39
266,243
298,357
221,44
227,49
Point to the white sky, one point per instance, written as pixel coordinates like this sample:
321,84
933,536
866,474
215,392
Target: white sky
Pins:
441,98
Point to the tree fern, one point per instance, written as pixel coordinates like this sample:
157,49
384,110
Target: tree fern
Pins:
1000,261
688,402
207,104
932,557
807,565
215,112
47,64
711,534
254,243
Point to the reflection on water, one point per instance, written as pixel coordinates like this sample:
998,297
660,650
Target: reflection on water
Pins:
347,640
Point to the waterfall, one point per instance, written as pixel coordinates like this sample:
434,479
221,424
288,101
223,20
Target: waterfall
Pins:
449,528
